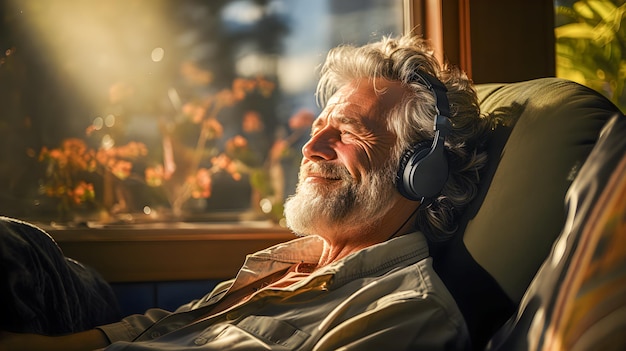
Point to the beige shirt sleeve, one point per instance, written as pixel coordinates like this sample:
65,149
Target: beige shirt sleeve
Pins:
130,327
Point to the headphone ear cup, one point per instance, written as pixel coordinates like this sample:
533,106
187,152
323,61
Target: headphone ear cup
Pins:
414,154
423,171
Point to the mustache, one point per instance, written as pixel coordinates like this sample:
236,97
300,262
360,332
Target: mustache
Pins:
327,170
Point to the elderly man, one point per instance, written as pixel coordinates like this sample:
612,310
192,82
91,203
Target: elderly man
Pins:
391,162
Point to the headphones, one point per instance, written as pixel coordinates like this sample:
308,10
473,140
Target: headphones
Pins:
423,168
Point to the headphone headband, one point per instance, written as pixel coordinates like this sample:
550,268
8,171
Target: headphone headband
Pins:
438,90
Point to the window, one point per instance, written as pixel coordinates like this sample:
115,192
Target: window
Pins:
148,110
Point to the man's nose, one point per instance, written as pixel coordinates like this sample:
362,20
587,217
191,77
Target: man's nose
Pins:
320,146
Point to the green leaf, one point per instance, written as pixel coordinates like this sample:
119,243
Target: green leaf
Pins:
604,8
583,9
574,30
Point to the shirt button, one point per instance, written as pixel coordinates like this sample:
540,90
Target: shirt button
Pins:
155,334
200,341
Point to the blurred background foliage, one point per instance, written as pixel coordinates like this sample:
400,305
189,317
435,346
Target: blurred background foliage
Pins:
590,45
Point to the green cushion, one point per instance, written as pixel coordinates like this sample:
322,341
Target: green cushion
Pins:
548,128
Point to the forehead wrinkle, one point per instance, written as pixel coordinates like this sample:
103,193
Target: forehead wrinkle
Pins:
360,125
355,123
345,111
356,109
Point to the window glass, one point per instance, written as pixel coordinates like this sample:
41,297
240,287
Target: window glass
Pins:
149,110
591,45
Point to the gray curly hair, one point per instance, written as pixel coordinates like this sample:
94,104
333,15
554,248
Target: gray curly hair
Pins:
396,59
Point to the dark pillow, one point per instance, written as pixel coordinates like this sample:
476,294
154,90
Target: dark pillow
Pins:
45,292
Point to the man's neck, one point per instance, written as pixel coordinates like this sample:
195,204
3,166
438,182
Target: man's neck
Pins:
340,242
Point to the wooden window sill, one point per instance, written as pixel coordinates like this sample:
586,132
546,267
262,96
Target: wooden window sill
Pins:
167,252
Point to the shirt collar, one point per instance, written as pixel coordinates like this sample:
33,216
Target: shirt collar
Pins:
377,259
399,251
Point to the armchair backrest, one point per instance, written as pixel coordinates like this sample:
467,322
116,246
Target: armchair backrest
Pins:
577,300
548,128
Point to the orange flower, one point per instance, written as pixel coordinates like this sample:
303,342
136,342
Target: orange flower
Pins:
221,162
195,111
82,192
265,87
120,168
90,160
117,159
233,171
252,122
239,141
154,175
56,155
236,144
90,129
72,154
225,163
202,184
242,86
213,128
131,150
102,156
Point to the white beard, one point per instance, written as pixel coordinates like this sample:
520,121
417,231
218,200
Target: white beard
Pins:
350,205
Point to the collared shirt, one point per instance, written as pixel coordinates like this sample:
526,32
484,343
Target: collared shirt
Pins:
386,296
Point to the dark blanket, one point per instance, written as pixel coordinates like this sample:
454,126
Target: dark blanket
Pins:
44,292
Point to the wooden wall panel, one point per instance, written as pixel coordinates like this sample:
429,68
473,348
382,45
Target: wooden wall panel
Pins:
491,40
